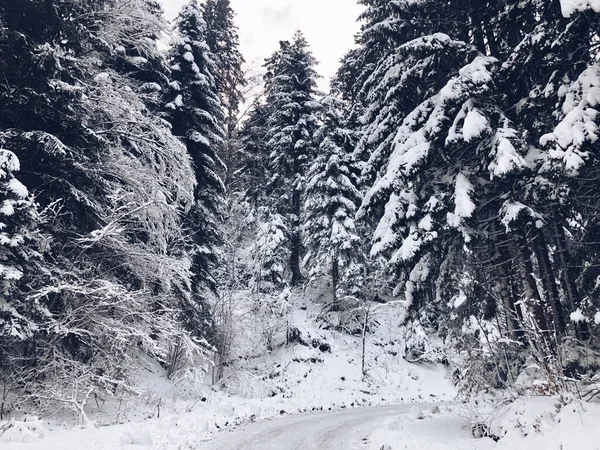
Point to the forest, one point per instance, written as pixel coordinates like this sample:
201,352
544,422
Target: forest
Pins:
147,176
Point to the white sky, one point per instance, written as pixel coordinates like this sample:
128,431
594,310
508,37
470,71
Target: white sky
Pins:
329,27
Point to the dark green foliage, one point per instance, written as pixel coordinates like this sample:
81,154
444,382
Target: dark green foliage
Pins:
194,110
223,40
478,136
102,262
332,239
280,138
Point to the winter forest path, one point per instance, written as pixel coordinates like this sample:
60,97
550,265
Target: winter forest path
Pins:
348,429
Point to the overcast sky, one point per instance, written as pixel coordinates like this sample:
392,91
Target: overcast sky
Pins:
329,27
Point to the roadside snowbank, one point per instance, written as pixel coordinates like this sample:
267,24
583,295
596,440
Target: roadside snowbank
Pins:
526,424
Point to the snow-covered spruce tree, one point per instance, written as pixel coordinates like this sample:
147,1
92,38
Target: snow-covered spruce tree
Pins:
135,29
195,113
422,198
548,215
271,254
542,215
427,58
21,248
255,169
424,163
223,40
291,82
113,182
270,235
555,106
331,237
397,82
374,42
384,26
461,186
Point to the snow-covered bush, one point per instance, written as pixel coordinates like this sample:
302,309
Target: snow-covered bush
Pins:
271,255
19,250
272,316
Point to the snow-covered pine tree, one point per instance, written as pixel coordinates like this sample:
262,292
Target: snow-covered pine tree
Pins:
384,26
112,181
135,30
392,84
331,237
271,254
374,42
21,248
195,113
255,171
548,102
413,194
558,105
462,192
223,40
435,131
291,83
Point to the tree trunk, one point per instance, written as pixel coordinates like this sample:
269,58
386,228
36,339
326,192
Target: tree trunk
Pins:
549,282
334,281
507,292
509,305
531,295
568,278
476,26
489,36
364,342
296,243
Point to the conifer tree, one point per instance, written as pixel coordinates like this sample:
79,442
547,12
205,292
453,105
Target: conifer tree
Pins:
195,113
223,40
473,135
291,124
21,248
331,237
255,170
112,182
271,255
373,43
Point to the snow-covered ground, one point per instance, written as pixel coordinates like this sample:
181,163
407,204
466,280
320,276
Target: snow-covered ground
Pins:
333,374
261,384
347,429
529,424
317,392
539,423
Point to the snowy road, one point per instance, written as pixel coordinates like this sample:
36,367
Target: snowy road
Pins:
348,429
